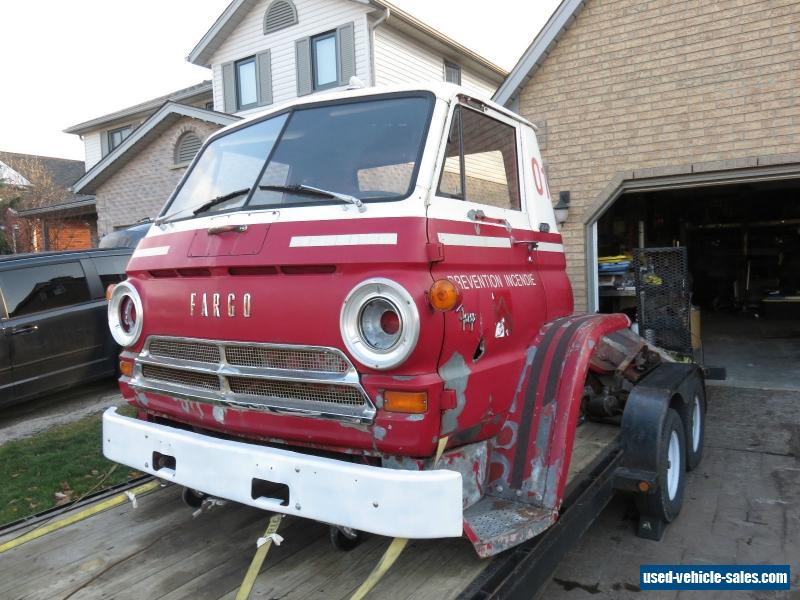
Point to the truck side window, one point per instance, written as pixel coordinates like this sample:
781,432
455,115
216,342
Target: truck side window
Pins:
484,169
31,290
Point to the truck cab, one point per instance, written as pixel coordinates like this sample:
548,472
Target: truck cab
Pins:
338,315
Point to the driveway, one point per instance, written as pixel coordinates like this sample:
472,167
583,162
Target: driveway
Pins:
742,506
29,418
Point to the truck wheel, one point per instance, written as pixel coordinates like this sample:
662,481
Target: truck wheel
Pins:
192,498
694,421
665,503
344,539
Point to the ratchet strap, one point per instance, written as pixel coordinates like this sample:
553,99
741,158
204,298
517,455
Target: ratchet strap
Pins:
52,526
395,548
260,555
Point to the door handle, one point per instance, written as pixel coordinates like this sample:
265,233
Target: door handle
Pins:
24,330
479,215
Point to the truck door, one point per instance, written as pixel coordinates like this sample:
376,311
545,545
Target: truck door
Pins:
51,327
478,218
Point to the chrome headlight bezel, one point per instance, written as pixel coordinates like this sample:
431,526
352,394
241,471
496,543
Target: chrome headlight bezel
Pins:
121,291
351,329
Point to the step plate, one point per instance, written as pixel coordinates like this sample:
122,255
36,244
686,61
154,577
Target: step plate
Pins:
494,524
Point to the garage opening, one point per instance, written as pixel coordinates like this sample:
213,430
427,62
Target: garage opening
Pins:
742,272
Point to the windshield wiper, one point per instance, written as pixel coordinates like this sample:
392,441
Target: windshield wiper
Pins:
312,191
205,206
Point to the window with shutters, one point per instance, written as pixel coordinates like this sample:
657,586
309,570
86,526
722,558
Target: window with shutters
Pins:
186,147
247,83
452,73
280,15
323,61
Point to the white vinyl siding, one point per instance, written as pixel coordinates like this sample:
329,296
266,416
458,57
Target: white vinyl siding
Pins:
400,59
314,17
93,148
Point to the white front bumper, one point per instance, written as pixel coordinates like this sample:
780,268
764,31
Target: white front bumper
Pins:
391,502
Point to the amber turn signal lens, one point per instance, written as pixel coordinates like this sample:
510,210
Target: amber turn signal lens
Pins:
110,290
644,486
405,402
443,295
126,368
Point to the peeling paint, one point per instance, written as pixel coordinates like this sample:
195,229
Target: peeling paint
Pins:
142,398
455,373
529,356
415,417
379,432
219,414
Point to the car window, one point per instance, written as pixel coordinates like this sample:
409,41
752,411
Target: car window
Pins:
481,158
111,269
31,290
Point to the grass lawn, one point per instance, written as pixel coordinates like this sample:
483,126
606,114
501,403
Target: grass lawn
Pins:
66,459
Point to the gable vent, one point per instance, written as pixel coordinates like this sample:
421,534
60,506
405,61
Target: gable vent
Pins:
280,14
188,145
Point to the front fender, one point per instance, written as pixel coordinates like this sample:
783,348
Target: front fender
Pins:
532,452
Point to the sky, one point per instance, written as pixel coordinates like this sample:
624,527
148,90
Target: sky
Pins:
67,62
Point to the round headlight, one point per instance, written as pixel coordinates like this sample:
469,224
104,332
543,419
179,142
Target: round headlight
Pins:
380,323
125,314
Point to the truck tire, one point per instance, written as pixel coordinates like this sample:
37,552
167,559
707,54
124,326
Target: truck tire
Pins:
664,504
694,422
343,538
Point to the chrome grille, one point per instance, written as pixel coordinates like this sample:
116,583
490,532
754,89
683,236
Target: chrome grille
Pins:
312,380
181,376
304,392
194,351
285,358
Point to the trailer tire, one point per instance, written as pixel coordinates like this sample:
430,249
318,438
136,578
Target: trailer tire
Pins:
664,504
694,421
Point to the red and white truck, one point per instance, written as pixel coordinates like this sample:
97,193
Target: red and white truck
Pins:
354,308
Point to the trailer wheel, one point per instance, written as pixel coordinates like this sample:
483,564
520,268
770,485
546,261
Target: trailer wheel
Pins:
344,539
694,421
664,504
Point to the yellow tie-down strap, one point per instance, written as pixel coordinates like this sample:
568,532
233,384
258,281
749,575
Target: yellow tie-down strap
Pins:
395,548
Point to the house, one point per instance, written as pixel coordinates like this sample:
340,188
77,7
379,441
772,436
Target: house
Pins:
39,211
261,53
670,124
264,52
137,155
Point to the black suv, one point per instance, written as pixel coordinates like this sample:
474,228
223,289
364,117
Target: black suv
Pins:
53,323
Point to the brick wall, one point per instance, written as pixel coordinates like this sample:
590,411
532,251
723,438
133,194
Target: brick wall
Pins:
637,84
140,188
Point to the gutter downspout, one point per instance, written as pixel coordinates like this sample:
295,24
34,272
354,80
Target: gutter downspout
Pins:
380,21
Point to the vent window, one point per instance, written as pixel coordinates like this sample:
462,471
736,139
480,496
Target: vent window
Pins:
187,146
280,15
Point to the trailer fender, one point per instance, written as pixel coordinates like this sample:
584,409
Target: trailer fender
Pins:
670,385
532,452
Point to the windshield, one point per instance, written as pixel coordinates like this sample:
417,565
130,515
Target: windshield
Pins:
367,149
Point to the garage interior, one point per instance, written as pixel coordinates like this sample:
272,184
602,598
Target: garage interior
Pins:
742,271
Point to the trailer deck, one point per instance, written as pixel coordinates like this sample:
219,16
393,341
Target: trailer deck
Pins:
158,550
